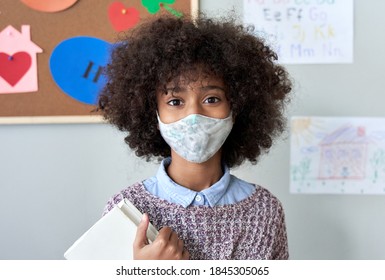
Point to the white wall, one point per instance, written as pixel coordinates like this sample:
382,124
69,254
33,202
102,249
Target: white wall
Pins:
55,179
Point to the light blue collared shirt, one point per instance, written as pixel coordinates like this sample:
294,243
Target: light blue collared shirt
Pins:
228,190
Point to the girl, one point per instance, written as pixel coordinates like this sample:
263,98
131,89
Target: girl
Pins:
204,96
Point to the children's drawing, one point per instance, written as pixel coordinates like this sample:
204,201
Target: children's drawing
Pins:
337,155
18,62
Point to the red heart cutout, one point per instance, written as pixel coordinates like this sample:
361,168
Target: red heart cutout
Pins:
13,67
122,18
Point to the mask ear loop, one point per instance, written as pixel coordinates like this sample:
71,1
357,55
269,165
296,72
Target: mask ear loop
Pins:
233,116
157,116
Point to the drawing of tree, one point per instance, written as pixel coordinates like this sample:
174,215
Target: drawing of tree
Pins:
301,170
378,163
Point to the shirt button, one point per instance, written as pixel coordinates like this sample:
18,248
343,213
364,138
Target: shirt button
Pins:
198,198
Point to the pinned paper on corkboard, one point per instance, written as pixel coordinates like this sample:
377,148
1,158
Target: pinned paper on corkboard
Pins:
76,66
49,6
53,77
18,60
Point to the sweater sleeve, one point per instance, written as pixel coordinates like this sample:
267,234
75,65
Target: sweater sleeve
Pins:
112,202
280,249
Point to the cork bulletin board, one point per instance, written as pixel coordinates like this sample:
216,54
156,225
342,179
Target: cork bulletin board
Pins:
52,53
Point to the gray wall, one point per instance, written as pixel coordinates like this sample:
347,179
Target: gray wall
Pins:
55,179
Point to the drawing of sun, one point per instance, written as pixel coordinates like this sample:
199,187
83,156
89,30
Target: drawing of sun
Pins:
303,130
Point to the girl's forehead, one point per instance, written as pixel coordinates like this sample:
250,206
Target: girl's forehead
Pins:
195,77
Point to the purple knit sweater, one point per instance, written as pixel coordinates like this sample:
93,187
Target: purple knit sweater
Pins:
253,228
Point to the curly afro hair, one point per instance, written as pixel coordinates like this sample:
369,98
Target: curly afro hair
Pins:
164,48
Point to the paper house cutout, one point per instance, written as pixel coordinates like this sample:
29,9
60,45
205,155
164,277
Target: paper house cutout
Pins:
18,60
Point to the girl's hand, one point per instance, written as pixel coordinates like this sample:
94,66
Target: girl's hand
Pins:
166,246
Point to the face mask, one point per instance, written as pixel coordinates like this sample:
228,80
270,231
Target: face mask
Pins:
196,138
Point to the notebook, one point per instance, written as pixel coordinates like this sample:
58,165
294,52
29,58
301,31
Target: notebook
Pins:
112,237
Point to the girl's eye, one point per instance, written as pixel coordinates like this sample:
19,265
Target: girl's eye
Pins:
174,102
212,100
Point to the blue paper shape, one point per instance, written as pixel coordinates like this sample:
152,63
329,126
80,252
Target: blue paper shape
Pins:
77,67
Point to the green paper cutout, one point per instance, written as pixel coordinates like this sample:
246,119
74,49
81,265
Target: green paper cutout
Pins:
172,11
153,6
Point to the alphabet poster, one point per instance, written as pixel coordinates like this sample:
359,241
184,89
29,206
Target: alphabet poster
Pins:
304,31
337,155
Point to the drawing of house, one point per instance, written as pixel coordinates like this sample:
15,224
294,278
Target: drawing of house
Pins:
18,60
344,153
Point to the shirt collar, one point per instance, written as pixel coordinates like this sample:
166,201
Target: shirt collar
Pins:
184,196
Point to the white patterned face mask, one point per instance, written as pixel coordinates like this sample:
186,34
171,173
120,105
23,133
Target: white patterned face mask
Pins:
196,138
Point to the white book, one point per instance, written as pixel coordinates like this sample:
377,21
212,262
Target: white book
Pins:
112,237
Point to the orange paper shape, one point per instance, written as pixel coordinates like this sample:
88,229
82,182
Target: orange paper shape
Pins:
49,6
18,61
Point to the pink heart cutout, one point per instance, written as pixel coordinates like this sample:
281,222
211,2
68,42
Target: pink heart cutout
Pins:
122,18
13,67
